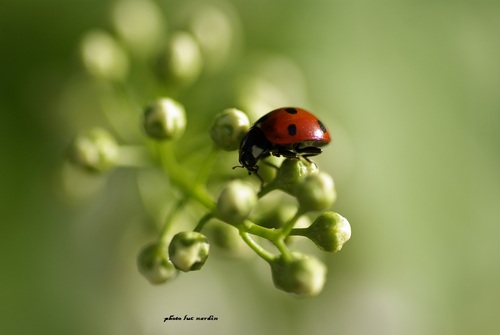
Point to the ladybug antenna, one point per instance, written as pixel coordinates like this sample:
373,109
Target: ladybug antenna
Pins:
238,166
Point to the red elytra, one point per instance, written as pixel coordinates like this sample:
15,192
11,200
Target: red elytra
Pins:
286,126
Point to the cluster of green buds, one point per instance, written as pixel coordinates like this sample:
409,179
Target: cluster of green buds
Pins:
236,206
232,211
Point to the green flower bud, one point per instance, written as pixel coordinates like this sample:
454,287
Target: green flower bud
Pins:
216,31
164,119
189,250
181,62
302,275
236,202
153,263
228,129
316,192
103,57
94,150
329,231
139,23
291,172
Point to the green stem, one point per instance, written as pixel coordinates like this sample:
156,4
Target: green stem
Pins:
298,232
287,228
207,166
182,180
276,236
263,253
281,245
283,233
170,218
254,229
202,222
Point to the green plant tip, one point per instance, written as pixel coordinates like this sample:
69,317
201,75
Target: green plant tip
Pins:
181,62
316,192
164,119
330,231
140,24
290,173
302,275
103,57
228,129
154,265
94,150
236,202
188,250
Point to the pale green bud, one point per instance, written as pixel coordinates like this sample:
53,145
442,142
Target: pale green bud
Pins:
329,231
103,57
140,24
236,202
94,150
153,263
291,172
188,250
228,128
216,31
302,274
181,62
316,192
164,119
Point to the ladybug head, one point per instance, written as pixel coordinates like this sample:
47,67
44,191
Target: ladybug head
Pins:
248,161
253,146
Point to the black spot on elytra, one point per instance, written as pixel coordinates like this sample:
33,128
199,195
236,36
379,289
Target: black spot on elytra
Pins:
291,110
292,130
322,126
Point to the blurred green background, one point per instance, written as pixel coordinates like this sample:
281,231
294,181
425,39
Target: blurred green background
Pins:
411,92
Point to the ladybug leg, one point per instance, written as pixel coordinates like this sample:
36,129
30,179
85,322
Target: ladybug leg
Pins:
285,153
260,178
308,160
254,170
308,151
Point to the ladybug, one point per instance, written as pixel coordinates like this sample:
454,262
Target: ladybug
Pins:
289,132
